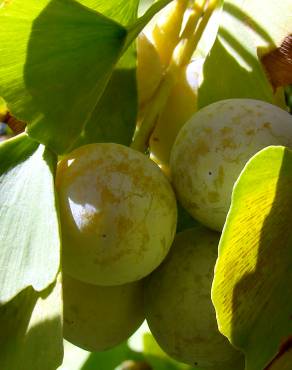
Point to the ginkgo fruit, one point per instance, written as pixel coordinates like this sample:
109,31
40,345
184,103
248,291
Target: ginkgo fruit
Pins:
179,309
118,214
213,147
97,318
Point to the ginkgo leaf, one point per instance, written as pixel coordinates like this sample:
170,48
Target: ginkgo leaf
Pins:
118,125
121,11
252,287
29,228
233,68
54,74
31,330
56,59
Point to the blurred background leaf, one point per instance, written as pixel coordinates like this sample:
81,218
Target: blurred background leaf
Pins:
141,347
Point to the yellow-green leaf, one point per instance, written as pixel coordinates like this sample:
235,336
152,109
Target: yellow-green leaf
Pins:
252,287
56,59
233,68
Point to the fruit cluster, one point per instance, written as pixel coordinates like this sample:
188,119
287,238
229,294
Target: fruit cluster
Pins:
122,259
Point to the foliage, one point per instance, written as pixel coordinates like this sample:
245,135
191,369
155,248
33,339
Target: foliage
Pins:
68,71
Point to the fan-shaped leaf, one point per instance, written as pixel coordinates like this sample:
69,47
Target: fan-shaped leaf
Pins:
56,58
233,68
29,230
252,288
31,330
121,11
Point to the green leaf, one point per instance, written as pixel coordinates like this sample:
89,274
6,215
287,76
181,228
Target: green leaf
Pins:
114,118
54,74
56,88
158,358
121,11
31,330
273,17
142,341
29,238
246,26
109,360
252,287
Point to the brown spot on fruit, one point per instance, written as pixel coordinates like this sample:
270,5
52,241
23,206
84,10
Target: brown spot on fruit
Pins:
208,130
250,132
220,178
267,125
226,130
213,196
228,143
200,149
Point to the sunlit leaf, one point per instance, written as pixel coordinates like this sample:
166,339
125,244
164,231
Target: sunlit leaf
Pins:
114,118
74,357
252,288
29,236
31,330
121,11
54,74
56,58
233,68
143,341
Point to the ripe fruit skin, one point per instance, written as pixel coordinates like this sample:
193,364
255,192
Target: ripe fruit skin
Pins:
214,145
179,309
180,106
149,69
118,214
97,317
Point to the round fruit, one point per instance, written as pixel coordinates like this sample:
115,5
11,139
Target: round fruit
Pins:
214,145
149,69
180,106
179,309
97,317
118,214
